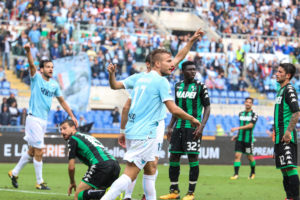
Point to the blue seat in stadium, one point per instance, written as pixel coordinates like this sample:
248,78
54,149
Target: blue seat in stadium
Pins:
231,94
214,100
102,75
232,101
239,94
271,95
6,85
215,93
245,94
240,101
223,94
104,82
209,93
222,101
5,92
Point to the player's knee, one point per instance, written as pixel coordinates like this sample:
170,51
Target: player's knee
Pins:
193,157
38,154
150,168
174,157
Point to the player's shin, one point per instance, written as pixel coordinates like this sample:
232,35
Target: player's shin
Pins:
252,164
286,184
293,183
129,190
38,167
25,158
90,194
236,167
193,177
117,187
174,172
149,186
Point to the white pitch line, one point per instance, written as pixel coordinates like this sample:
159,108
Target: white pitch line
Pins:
32,192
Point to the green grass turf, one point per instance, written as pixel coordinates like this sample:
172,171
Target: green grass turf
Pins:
213,183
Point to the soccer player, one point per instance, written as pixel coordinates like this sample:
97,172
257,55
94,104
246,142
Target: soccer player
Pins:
43,89
149,95
286,116
103,168
129,84
192,96
244,138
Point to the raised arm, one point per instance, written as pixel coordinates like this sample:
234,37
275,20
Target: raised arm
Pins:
114,84
184,51
66,107
32,67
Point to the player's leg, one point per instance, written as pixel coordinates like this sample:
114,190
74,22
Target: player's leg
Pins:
149,180
252,165
87,192
174,171
193,176
38,167
239,149
130,173
25,158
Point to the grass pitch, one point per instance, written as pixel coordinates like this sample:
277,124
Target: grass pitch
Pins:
213,183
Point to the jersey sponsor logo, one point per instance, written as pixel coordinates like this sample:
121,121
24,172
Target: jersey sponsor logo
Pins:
278,100
185,94
46,92
245,118
131,117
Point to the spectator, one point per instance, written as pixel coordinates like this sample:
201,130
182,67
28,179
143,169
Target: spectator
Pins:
44,52
34,36
14,113
58,116
11,99
6,51
220,83
23,117
115,116
220,131
55,53
5,116
242,84
4,103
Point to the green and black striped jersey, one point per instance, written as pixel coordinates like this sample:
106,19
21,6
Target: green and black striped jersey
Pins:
87,149
246,118
286,104
191,98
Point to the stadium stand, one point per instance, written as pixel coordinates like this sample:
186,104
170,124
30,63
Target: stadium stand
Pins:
120,32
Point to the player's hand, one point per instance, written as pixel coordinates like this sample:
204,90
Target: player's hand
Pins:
71,186
199,33
122,141
233,129
286,137
169,133
195,122
75,121
234,138
198,133
27,47
111,68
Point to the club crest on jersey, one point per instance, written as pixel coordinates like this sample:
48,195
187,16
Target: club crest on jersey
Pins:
278,100
193,88
185,94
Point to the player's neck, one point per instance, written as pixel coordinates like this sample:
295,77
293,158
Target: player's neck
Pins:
157,70
284,83
188,80
45,78
248,110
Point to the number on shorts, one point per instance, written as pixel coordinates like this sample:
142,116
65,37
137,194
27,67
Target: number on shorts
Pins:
281,159
192,146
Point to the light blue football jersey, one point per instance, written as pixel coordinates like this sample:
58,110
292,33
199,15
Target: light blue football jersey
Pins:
129,83
131,80
147,105
42,93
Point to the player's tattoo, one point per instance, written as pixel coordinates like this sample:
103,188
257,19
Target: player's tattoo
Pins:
293,121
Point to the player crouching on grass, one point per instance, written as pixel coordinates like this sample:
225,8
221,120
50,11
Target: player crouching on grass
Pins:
103,168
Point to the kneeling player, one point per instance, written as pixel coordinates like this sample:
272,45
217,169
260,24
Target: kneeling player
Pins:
103,167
